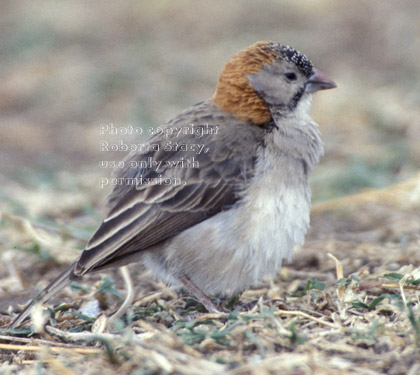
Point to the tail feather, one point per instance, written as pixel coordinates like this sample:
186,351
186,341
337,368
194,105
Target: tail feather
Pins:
52,288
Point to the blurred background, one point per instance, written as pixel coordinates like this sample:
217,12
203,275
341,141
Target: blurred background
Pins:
69,66
66,67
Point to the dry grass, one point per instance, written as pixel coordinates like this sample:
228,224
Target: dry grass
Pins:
349,301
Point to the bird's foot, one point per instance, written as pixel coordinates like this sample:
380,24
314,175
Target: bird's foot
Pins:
199,294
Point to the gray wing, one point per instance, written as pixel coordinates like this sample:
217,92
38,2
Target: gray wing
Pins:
142,215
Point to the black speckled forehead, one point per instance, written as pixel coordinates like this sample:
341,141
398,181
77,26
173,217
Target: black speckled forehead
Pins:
299,59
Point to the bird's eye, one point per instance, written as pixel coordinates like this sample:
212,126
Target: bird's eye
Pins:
290,76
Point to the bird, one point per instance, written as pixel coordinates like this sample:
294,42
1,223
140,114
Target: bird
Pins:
217,225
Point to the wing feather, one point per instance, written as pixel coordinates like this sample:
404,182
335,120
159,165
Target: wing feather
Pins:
143,215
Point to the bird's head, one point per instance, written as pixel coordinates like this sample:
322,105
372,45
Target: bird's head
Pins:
267,76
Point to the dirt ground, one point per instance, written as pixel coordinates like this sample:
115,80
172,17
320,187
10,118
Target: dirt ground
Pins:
347,303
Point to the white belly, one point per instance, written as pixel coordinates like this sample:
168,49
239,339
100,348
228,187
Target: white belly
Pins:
236,248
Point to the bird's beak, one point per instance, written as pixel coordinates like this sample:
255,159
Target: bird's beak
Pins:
319,81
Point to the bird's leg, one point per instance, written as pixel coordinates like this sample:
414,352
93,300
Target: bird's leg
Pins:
130,294
199,294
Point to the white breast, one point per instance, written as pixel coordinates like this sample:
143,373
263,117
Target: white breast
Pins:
274,215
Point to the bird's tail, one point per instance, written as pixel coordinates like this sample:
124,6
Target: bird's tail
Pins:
52,288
